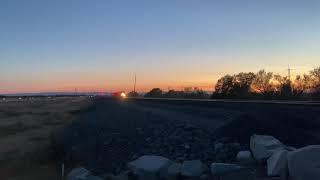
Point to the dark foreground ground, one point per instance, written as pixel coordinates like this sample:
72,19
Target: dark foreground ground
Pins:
114,132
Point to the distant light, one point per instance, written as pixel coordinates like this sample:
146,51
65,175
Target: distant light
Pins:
123,95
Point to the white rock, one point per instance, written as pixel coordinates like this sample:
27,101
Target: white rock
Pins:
79,173
304,163
149,167
244,157
194,168
263,146
277,164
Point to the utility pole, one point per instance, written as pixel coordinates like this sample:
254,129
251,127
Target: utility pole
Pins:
135,82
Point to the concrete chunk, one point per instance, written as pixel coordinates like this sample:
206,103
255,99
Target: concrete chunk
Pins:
149,167
244,157
277,164
79,173
304,163
263,146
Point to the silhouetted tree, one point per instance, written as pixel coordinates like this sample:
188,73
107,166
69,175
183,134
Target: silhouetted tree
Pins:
155,92
174,94
242,83
224,86
301,84
315,78
283,86
238,85
133,94
315,74
262,82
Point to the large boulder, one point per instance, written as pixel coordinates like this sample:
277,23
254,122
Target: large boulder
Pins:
193,168
244,157
149,167
79,173
277,164
304,163
224,171
263,146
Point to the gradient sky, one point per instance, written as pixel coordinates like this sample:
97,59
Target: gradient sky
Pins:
98,45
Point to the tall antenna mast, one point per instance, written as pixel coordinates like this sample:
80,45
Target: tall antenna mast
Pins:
135,81
289,72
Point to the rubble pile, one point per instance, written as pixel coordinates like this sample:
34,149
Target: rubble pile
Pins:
279,161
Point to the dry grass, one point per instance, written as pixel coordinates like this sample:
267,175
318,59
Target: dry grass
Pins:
25,128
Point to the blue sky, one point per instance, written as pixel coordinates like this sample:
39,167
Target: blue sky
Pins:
56,45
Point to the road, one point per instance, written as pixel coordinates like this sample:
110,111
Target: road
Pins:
113,132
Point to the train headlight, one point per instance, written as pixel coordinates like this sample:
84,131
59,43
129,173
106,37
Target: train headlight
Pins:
123,95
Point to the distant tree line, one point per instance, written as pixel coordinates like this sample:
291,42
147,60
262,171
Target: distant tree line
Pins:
249,85
194,93
267,85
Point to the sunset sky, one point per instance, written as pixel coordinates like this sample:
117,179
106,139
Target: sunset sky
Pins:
98,45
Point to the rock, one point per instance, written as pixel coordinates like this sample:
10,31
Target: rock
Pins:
173,171
193,168
91,177
222,168
290,148
244,157
79,173
263,146
223,171
218,146
120,177
304,163
149,167
277,164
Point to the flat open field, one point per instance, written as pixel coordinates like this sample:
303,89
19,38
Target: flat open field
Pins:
25,127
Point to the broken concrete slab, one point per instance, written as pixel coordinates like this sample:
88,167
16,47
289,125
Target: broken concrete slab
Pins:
149,167
304,163
263,146
277,164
